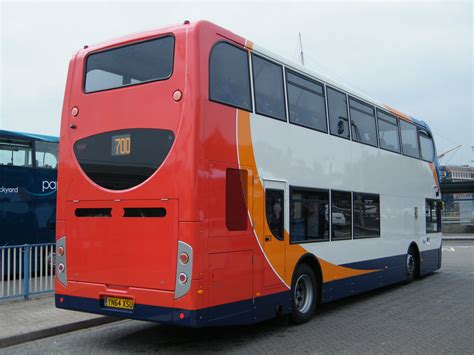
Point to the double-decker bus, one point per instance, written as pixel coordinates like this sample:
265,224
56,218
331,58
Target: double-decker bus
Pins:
205,181
28,170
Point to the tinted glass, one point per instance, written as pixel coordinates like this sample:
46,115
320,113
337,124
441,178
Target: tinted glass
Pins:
119,160
306,102
433,216
409,139
229,77
309,215
366,215
388,132
17,153
268,87
46,154
274,206
338,119
341,215
427,150
129,65
236,200
363,123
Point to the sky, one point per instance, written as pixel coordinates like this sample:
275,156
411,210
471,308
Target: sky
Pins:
414,56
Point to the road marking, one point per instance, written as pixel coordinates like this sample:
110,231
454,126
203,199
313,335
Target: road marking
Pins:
448,249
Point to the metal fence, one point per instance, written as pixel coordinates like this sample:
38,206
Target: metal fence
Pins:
26,270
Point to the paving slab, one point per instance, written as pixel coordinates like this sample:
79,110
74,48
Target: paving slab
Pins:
22,321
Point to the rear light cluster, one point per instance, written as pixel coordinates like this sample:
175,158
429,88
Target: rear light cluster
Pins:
61,267
184,269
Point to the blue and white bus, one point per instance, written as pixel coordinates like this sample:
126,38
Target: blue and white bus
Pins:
28,171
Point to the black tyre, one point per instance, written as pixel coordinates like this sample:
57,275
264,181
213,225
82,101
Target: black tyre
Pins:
304,294
411,265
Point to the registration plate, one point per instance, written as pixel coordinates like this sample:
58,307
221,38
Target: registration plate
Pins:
121,303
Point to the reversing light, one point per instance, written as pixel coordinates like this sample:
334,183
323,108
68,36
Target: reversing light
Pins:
183,278
184,258
61,267
177,95
60,251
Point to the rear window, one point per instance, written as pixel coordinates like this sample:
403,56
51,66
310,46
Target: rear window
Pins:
130,65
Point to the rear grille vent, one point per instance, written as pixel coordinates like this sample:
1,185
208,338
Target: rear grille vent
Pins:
144,212
93,212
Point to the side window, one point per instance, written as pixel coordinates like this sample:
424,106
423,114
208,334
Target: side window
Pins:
229,77
306,104
366,215
309,215
274,206
409,139
433,216
46,155
338,118
236,200
16,154
268,86
341,215
363,122
389,137
427,149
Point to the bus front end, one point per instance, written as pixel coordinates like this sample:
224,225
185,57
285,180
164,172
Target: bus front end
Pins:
127,227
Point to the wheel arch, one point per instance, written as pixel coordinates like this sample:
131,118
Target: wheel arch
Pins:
312,261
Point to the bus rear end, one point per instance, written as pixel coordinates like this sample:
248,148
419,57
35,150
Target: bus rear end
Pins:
123,186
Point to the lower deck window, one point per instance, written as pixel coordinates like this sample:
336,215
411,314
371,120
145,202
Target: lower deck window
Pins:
341,215
366,215
309,215
236,200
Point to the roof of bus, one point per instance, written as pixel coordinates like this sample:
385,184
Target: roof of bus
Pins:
29,136
287,62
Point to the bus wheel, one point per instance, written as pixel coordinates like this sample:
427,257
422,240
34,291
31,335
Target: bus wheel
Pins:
304,294
411,265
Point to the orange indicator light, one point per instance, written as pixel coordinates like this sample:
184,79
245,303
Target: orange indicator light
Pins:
60,251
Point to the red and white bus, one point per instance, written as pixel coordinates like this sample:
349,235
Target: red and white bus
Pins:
205,181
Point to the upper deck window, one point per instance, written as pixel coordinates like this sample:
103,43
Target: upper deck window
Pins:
306,102
389,137
130,65
363,122
268,85
229,76
409,139
338,118
427,149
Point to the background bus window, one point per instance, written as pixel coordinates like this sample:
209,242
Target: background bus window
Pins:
46,155
268,85
274,206
16,154
389,137
366,216
433,216
409,139
363,122
426,145
338,118
229,76
306,102
131,64
236,200
341,215
308,215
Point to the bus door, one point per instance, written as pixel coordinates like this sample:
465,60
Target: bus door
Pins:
274,223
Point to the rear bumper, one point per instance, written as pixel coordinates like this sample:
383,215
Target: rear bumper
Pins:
163,315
